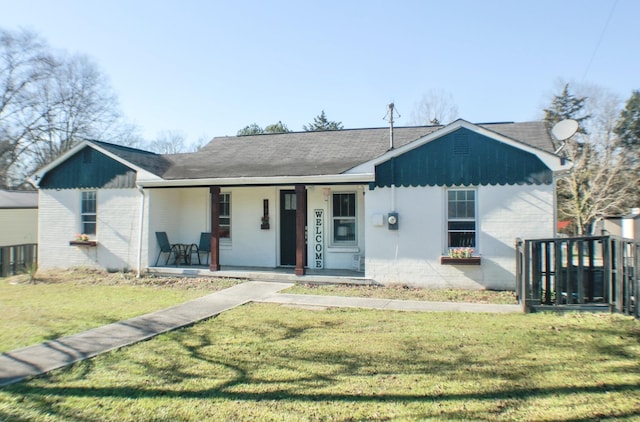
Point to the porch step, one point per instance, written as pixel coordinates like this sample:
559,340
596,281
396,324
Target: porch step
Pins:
266,274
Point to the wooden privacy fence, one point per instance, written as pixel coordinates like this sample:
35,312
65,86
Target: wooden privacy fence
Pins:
17,259
578,273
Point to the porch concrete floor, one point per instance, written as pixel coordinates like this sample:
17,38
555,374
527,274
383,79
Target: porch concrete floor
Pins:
264,274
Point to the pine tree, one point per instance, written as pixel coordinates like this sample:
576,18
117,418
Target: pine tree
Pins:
277,128
565,106
252,129
256,129
321,122
628,125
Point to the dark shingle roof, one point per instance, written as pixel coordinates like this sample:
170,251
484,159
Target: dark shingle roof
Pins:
316,153
531,133
149,161
288,154
300,153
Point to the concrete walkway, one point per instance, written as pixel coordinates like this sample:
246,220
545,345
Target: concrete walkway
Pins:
19,364
388,304
35,360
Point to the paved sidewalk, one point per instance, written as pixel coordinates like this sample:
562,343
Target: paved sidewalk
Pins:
19,364
388,304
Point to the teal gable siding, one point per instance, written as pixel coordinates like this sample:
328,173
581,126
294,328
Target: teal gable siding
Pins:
89,168
463,158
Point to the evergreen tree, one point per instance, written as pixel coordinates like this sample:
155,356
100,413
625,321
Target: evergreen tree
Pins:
277,128
255,129
321,122
252,129
566,106
628,125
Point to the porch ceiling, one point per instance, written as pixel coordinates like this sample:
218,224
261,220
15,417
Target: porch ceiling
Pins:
335,179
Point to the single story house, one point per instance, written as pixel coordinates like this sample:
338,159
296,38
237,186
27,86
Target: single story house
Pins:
432,206
18,217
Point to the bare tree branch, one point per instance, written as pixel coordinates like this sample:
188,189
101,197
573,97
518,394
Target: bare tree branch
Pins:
436,107
168,142
48,104
602,182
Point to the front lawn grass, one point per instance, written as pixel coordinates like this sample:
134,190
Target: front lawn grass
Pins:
68,302
269,362
407,293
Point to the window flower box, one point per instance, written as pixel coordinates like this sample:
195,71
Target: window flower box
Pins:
83,243
471,260
83,240
460,256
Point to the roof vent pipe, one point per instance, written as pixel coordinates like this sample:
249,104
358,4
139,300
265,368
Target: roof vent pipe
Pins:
391,108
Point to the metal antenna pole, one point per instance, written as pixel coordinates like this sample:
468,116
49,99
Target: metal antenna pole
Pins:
393,185
390,125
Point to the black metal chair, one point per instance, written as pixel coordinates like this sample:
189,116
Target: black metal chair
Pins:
165,247
204,246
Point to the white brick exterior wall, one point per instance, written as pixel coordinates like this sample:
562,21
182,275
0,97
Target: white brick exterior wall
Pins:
412,254
118,213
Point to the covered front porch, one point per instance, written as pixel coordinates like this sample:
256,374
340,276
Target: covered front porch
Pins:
264,231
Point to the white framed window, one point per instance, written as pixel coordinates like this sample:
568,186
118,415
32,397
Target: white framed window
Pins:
88,212
461,218
225,216
344,218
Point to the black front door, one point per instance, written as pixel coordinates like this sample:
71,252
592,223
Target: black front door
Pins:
287,227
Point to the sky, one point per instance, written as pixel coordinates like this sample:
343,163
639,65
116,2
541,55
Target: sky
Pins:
210,68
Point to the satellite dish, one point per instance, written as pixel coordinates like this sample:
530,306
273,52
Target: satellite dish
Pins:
564,129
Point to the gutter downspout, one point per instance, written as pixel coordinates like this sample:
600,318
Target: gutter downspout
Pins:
140,230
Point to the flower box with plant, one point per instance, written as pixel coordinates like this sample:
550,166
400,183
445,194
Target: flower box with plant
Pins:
460,252
460,256
82,240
